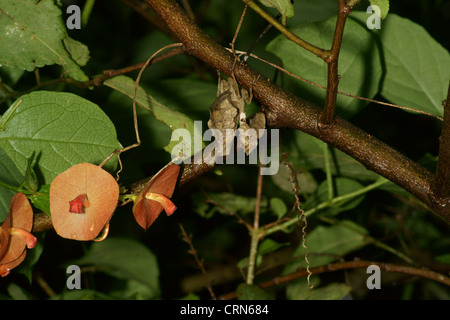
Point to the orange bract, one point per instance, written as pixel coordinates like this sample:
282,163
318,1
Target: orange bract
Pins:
148,205
15,233
95,187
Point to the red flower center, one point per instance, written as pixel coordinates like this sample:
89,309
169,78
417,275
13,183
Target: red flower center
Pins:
78,204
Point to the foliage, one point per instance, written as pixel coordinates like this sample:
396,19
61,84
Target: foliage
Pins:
48,125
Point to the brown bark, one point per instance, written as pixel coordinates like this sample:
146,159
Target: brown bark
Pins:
284,109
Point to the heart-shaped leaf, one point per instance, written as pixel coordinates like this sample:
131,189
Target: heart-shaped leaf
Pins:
61,129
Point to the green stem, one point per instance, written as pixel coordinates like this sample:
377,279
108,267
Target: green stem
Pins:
328,172
5,120
327,204
321,53
87,9
7,186
255,232
370,239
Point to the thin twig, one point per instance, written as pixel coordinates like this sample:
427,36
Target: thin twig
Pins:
237,30
188,239
97,81
327,117
229,212
43,284
321,53
339,92
135,121
389,267
266,29
441,184
188,9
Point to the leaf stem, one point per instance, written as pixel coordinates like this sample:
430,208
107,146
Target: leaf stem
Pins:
7,186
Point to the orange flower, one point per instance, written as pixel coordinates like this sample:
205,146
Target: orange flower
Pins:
156,196
15,234
82,201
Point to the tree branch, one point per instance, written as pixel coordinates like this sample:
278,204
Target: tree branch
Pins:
441,185
327,117
284,109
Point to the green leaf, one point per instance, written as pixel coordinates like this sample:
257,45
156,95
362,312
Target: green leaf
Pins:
333,291
18,293
82,294
265,247
305,179
78,51
10,75
173,119
269,245
225,203
284,7
251,292
124,259
313,11
306,152
31,181
359,63
444,258
41,199
9,175
32,35
342,186
185,94
417,66
325,244
383,5
62,129
278,207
